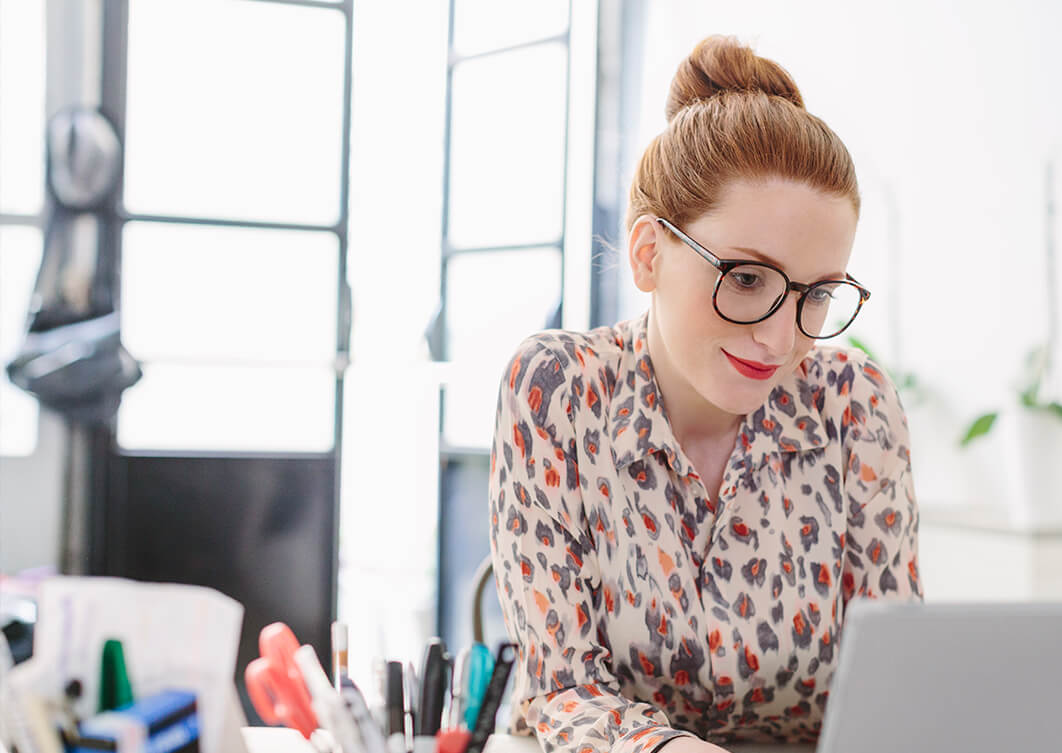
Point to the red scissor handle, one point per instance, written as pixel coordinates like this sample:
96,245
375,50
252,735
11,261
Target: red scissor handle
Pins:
275,685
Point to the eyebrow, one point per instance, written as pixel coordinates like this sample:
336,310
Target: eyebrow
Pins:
765,258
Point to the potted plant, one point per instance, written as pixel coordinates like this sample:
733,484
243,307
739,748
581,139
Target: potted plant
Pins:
1032,429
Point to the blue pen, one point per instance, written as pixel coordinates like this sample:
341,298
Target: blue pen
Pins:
480,668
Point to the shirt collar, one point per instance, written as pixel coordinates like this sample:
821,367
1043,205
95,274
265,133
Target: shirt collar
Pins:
789,421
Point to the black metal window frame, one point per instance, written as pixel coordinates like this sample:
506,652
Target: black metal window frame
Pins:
115,59
438,334
113,105
459,465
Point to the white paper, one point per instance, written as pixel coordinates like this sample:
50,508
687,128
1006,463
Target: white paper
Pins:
173,636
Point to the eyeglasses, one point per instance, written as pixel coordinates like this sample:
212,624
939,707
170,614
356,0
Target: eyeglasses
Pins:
748,292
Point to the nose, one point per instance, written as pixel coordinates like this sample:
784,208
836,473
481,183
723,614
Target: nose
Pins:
778,331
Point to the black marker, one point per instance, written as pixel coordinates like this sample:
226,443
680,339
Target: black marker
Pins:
503,665
433,673
395,708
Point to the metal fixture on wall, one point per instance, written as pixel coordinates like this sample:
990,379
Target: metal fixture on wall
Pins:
72,358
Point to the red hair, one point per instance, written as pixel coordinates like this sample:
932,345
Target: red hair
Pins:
734,115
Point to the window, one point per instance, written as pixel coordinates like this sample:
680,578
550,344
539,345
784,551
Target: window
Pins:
506,252
233,244
22,62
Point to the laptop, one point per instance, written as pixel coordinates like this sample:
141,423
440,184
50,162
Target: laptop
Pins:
935,678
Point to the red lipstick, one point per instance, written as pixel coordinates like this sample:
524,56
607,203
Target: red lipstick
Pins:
751,369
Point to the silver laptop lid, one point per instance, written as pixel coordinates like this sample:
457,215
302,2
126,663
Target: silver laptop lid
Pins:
930,678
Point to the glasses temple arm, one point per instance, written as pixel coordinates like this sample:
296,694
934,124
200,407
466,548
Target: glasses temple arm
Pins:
708,255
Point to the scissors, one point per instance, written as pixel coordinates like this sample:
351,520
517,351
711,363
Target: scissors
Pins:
276,686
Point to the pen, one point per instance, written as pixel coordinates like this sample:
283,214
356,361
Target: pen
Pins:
458,693
452,741
376,698
480,667
327,705
115,690
432,687
371,735
409,694
339,653
484,726
394,710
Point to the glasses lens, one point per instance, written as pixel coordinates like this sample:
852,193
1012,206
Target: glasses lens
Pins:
748,292
829,307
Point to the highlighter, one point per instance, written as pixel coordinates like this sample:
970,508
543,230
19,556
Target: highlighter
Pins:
480,668
115,690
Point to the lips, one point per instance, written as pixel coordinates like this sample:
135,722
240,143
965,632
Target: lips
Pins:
751,369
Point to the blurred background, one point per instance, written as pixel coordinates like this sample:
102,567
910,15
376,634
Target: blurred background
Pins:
332,222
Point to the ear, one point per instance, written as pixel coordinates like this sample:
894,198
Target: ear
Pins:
643,250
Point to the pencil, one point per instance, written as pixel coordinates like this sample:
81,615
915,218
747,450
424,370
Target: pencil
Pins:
339,653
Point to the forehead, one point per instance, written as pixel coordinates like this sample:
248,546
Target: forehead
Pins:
808,233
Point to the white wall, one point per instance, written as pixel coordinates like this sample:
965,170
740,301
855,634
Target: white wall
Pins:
950,113
31,487
30,501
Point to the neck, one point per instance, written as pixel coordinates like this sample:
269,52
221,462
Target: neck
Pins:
694,420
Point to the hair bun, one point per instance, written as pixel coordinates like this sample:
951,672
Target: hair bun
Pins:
720,64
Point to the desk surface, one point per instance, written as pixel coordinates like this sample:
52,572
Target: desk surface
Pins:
279,740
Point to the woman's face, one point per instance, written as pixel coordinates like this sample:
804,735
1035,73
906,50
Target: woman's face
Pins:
804,232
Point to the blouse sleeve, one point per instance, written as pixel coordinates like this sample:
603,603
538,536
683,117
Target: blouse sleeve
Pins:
881,558
547,573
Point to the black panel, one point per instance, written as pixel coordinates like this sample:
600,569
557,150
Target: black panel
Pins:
257,529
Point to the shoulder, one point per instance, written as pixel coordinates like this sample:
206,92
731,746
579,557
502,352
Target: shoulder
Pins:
564,356
552,371
856,392
843,369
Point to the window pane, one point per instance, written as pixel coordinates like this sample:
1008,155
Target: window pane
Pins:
229,408
234,110
192,291
507,150
22,106
489,25
20,258
470,402
494,300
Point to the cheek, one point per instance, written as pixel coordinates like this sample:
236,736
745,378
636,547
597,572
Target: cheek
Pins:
707,331
800,351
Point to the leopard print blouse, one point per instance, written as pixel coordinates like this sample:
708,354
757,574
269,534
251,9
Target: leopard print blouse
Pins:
646,606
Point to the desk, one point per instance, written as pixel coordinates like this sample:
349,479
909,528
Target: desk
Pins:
279,740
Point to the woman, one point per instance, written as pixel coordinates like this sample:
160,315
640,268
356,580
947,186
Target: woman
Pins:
683,504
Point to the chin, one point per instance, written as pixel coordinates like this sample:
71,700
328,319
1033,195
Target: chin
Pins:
747,406
739,402
745,396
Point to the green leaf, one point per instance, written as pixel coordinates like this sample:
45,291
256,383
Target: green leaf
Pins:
981,426
1055,408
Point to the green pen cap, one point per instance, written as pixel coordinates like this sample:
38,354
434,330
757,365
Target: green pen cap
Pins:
115,690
